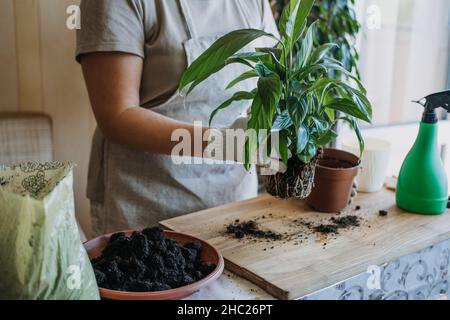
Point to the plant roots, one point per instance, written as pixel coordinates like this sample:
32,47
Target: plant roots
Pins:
297,182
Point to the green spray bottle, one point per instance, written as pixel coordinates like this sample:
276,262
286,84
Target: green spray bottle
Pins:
422,184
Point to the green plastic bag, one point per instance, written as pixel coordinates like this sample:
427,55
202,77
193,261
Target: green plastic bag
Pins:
41,254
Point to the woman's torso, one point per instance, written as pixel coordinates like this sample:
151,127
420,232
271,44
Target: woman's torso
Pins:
130,188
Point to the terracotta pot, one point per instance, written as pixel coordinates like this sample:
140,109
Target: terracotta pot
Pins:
209,254
335,174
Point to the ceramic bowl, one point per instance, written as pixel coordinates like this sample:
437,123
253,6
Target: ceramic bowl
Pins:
209,254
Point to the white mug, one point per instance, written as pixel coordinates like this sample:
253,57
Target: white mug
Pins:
374,163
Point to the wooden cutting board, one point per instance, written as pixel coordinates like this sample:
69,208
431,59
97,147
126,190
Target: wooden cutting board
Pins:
306,262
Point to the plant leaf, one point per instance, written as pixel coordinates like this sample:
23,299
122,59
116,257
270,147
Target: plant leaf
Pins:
320,53
349,107
214,59
270,88
306,48
284,147
251,56
242,77
282,121
275,52
302,138
297,110
325,139
238,96
297,19
309,152
354,125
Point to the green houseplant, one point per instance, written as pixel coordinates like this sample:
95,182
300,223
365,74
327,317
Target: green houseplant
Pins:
294,95
336,23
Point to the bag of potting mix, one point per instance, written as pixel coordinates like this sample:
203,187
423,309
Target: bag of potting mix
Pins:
41,254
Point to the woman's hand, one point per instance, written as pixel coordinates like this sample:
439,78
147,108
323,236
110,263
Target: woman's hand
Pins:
113,82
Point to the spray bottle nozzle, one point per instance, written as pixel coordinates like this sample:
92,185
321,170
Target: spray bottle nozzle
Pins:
433,102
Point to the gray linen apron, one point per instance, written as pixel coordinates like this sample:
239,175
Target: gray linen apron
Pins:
135,189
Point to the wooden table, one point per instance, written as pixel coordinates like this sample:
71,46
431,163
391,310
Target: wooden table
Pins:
302,264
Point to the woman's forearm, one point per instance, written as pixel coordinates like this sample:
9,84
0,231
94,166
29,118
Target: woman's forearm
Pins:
113,82
149,131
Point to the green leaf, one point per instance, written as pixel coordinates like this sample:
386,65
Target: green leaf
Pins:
309,152
297,110
251,56
270,89
275,52
214,59
284,147
326,138
238,96
259,118
306,48
250,149
282,121
349,107
302,138
320,52
242,77
354,125
331,114
322,126
298,12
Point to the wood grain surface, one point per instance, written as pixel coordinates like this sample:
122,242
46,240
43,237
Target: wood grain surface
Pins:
305,261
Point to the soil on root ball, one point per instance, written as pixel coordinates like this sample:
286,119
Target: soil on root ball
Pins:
148,261
296,182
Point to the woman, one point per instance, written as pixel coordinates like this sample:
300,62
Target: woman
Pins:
133,53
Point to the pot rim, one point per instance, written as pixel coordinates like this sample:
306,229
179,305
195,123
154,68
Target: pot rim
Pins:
355,166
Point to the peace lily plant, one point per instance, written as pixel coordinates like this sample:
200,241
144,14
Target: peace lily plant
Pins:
294,95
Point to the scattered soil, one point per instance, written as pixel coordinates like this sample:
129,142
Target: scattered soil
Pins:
383,213
250,228
333,225
326,228
347,221
148,262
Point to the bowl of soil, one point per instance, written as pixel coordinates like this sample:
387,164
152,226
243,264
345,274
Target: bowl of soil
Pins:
334,177
152,264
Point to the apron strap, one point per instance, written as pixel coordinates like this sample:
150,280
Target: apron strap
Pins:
188,21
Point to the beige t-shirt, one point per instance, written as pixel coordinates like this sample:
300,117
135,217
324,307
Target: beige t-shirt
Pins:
156,29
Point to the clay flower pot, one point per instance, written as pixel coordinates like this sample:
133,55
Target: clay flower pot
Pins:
209,254
334,177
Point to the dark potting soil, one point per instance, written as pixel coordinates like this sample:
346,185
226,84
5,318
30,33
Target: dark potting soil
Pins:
326,228
347,221
383,213
148,261
338,223
250,228
335,163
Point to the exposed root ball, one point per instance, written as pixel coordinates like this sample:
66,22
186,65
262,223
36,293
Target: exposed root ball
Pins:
296,182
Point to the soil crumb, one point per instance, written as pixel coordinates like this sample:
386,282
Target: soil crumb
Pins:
326,228
250,228
148,261
347,221
383,213
333,225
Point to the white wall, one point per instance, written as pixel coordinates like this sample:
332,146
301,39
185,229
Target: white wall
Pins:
38,73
